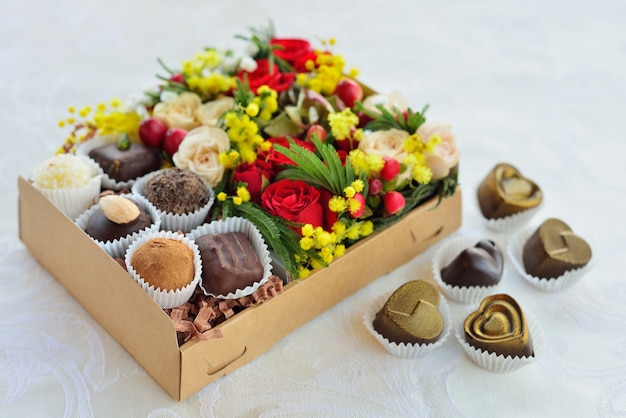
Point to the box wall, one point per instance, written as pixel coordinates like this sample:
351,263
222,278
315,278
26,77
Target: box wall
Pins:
147,333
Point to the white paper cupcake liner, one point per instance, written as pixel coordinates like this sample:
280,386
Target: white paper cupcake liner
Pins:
174,221
238,224
107,182
515,250
74,201
446,253
166,299
498,363
513,222
406,350
118,247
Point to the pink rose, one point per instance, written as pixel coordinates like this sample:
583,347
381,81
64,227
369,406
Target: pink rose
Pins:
446,154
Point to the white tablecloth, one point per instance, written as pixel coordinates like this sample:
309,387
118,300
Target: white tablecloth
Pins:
541,85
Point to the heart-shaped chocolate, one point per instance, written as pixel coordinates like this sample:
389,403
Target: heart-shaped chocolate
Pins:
499,326
554,249
505,191
481,265
411,314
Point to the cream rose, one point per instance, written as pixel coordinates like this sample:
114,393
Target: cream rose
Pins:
387,143
389,101
446,154
180,112
200,152
210,112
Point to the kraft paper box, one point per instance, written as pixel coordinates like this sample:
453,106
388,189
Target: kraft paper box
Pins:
111,296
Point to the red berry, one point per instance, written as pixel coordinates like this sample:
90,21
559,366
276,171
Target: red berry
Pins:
173,138
394,202
316,130
152,131
349,91
390,169
358,212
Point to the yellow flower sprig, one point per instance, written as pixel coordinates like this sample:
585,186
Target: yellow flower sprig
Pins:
417,149
105,119
242,195
326,71
329,245
204,75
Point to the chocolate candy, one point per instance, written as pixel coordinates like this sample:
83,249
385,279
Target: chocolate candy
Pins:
176,190
505,191
229,263
481,265
109,228
554,249
411,314
499,326
128,164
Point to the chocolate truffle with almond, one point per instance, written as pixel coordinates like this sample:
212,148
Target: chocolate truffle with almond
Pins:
115,218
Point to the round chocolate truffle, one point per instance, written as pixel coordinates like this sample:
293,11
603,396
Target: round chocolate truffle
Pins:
164,263
177,191
115,218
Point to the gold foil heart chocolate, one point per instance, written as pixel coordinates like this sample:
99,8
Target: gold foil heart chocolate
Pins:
499,326
554,249
411,314
505,191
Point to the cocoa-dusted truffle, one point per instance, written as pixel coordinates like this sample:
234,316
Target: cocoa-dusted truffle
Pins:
554,249
177,191
499,326
126,164
164,263
229,262
411,315
116,217
505,191
481,265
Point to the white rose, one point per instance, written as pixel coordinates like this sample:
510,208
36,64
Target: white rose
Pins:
210,112
387,143
446,154
200,152
180,112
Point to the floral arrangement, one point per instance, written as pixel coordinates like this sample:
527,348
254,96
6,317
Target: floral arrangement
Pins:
288,139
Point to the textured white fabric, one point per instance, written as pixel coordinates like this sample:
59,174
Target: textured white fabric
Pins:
541,85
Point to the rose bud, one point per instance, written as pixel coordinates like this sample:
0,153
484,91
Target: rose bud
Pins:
177,78
375,186
173,138
152,132
316,130
394,202
356,212
349,92
390,169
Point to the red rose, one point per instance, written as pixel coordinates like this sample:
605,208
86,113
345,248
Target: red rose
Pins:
264,75
290,49
256,176
299,65
295,201
277,160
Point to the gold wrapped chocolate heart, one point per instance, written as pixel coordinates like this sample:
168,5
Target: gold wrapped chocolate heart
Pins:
554,249
505,191
411,314
499,326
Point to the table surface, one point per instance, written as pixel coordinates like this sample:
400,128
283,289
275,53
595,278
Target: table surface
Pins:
540,85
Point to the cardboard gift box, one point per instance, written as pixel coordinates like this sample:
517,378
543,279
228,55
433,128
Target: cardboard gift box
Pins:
113,298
